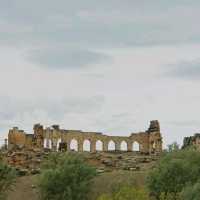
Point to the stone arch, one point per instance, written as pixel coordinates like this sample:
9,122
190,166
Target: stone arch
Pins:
86,145
74,145
111,145
58,143
124,146
136,146
99,145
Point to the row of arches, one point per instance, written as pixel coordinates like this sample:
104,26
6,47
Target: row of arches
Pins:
73,145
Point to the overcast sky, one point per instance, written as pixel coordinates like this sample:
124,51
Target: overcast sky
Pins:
100,65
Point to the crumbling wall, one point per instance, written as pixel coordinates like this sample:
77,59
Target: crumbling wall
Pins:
55,138
16,138
192,141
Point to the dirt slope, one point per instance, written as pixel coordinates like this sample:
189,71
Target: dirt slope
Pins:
24,189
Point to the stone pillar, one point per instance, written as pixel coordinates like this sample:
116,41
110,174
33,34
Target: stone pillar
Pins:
47,143
129,146
117,145
54,144
93,146
105,146
39,135
143,148
68,145
6,144
80,146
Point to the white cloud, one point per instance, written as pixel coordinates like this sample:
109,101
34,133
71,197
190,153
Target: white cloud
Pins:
128,46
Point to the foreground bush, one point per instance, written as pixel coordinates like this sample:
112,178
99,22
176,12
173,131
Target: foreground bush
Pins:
67,177
126,193
174,172
7,179
191,192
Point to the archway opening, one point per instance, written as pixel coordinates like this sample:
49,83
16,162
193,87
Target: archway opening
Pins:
136,146
86,145
111,146
99,145
74,145
123,146
47,143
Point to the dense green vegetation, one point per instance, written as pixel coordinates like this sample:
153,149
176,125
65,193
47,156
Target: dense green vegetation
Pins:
7,179
66,177
176,176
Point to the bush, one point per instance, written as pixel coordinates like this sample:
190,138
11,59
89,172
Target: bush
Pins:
67,177
7,179
126,193
191,192
173,147
173,173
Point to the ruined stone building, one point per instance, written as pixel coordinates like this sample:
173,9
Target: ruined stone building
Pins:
55,139
192,141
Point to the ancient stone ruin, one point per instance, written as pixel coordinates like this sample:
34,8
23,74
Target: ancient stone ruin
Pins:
192,141
56,139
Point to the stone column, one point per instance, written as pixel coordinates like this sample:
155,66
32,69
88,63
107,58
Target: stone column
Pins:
105,146
6,144
47,143
68,145
129,146
80,145
54,144
93,146
117,145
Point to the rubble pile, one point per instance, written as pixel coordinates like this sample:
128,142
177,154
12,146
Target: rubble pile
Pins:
29,161
121,161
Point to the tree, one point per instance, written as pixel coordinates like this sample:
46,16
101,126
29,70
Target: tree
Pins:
67,177
7,179
173,147
173,173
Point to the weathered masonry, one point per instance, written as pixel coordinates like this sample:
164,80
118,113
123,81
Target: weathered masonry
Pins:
56,139
192,141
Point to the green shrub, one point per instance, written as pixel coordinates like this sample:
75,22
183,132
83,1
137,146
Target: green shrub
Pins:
67,177
174,171
7,179
191,192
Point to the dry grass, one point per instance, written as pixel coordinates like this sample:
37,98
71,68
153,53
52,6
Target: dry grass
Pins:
111,181
104,183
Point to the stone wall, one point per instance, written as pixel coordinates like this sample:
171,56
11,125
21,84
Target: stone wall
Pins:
192,141
55,139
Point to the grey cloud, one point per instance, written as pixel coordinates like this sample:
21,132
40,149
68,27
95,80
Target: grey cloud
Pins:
100,23
62,58
185,69
120,122
28,111
85,26
184,123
